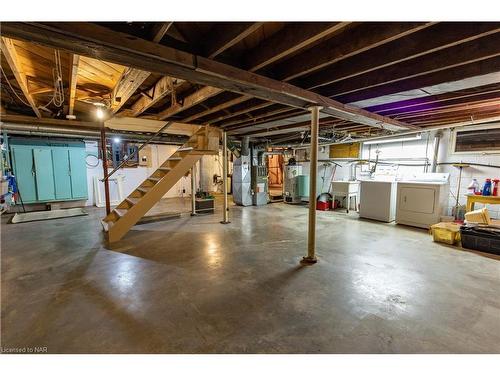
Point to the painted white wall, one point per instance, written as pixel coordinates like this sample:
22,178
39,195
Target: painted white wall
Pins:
480,173
133,177
400,152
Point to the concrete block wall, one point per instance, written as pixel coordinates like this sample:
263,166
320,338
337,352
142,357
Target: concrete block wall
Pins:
478,172
420,149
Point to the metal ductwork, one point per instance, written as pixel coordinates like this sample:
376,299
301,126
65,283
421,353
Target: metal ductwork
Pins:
437,139
245,146
86,133
262,154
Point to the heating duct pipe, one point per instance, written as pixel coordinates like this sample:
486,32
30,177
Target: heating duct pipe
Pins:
245,146
488,121
437,139
84,133
262,154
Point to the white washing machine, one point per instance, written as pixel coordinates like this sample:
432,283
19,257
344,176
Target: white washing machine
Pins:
422,199
378,200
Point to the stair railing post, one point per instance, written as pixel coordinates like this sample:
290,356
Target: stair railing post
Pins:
105,168
193,190
224,178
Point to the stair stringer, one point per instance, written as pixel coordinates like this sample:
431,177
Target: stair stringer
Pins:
121,226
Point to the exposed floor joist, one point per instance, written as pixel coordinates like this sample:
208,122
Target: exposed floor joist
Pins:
73,77
218,108
362,38
192,100
226,35
467,53
160,29
432,39
291,39
10,55
131,78
165,86
93,40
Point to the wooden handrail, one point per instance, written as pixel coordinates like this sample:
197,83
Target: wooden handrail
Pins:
136,150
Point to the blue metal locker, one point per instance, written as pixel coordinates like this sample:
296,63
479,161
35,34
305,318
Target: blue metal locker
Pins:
25,173
78,172
62,178
49,169
44,174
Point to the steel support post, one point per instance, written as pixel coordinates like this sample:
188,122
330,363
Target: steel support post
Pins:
225,219
193,190
313,174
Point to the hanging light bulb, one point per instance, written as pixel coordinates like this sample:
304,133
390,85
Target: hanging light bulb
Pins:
99,113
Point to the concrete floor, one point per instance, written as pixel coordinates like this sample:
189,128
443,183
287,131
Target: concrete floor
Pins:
192,285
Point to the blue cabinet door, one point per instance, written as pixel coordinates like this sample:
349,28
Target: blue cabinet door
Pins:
24,171
78,172
44,174
62,179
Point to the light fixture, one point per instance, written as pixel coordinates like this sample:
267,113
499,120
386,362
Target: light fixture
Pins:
116,139
99,113
394,140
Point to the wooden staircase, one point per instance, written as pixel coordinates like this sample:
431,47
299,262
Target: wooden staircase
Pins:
204,142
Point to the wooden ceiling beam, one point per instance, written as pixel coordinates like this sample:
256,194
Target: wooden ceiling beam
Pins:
10,55
241,123
160,90
131,78
290,40
361,38
73,78
226,34
451,109
160,29
290,112
439,101
294,37
218,108
240,112
97,41
429,40
190,101
479,68
463,54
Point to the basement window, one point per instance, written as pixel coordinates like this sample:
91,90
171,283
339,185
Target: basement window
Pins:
477,139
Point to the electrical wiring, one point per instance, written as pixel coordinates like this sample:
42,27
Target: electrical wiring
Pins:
58,94
12,89
92,165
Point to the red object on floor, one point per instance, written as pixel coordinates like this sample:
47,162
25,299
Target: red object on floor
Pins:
322,206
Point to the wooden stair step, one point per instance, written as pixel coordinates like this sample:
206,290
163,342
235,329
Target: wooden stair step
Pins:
143,189
174,158
120,211
132,201
164,169
154,179
106,225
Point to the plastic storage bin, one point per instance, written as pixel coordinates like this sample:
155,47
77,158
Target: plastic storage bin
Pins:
446,232
478,216
485,239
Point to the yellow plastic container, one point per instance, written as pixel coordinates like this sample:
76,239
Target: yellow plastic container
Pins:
448,233
478,216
